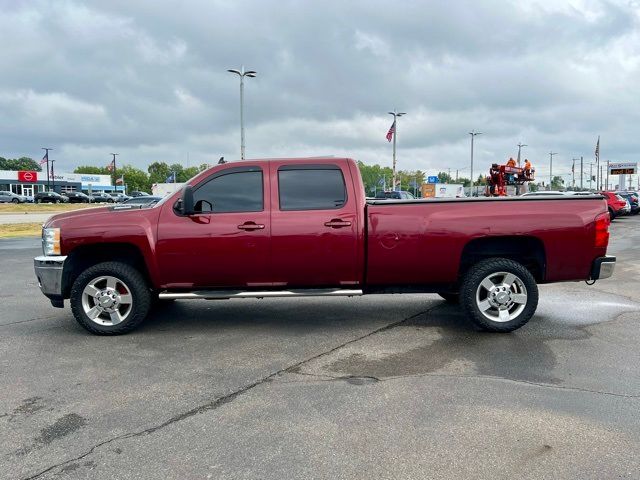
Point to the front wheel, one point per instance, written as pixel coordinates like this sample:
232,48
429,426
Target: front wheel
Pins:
15,200
110,298
499,295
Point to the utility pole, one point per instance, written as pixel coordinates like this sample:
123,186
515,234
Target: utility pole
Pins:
581,173
46,155
573,172
473,134
114,168
590,176
551,154
520,145
242,73
456,175
396,115
607,186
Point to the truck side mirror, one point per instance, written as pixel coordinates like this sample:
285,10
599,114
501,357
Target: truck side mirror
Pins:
187,200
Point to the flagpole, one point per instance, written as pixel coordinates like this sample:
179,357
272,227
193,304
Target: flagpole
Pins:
53,178
396,115
114,169
47,157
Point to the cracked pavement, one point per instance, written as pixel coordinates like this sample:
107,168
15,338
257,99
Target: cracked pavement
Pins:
371,387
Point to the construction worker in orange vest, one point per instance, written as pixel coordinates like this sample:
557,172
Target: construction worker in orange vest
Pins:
511,163
527,167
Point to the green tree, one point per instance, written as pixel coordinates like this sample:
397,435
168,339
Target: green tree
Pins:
22,163
557,183
189,173
158,172
134,178
92,170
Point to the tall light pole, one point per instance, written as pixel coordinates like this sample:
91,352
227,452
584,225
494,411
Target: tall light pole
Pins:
520,145
242,73
46,155
473,133
396,115
551,154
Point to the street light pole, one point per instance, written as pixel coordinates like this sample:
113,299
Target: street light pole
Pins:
520,145
242,73
473,133
573,172
551,154
47,157
396,115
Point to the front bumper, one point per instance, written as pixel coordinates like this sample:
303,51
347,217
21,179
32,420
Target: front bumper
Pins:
49,271
602,267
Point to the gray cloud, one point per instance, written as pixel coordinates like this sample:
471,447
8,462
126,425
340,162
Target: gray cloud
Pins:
148,79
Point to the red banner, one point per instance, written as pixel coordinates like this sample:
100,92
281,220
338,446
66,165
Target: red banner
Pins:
27,176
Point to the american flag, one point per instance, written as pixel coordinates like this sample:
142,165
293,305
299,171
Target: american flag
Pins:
598,148
120,181
111,166
44,159
391,131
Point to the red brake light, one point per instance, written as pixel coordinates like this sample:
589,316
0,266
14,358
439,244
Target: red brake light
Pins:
602,230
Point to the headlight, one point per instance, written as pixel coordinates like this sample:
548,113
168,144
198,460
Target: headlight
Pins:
51,241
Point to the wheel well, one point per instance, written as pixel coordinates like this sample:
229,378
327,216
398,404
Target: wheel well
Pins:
85,256
529,251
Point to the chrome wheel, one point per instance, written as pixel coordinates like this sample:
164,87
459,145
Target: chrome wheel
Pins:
501,297
107,300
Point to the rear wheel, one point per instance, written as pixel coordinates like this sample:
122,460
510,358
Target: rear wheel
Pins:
499,295
15,200
612,214
110,298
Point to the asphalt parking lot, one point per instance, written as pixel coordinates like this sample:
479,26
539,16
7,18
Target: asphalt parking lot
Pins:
372,387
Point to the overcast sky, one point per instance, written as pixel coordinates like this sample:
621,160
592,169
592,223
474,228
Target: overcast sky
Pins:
147,79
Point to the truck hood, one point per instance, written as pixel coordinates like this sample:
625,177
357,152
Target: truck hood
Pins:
95,216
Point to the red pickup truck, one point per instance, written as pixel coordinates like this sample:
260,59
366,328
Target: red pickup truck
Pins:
302,227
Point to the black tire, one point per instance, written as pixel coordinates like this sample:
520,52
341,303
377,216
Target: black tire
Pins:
470,294
38,200
450,297
612,215
15,200
56,201
139,290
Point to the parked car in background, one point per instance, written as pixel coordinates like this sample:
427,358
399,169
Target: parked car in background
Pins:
101,197
632,198
77,197
615,204
395,195
144,200
10,197
49,197
138,194
119,197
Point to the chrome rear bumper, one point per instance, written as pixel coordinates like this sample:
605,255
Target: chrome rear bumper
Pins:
603,267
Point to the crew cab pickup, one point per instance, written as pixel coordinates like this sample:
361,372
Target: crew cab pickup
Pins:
303,227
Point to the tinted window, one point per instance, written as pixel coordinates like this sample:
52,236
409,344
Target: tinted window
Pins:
231,192
309,189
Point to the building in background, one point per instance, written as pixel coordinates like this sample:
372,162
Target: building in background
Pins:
28,183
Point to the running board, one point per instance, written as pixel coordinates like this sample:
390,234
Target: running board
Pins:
227,294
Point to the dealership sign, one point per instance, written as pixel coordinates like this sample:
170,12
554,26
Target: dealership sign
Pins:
27,176
623,168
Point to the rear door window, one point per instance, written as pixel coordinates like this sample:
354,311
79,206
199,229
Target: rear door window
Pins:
311,188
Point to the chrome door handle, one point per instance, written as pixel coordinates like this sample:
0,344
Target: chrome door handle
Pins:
337,223
251,226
